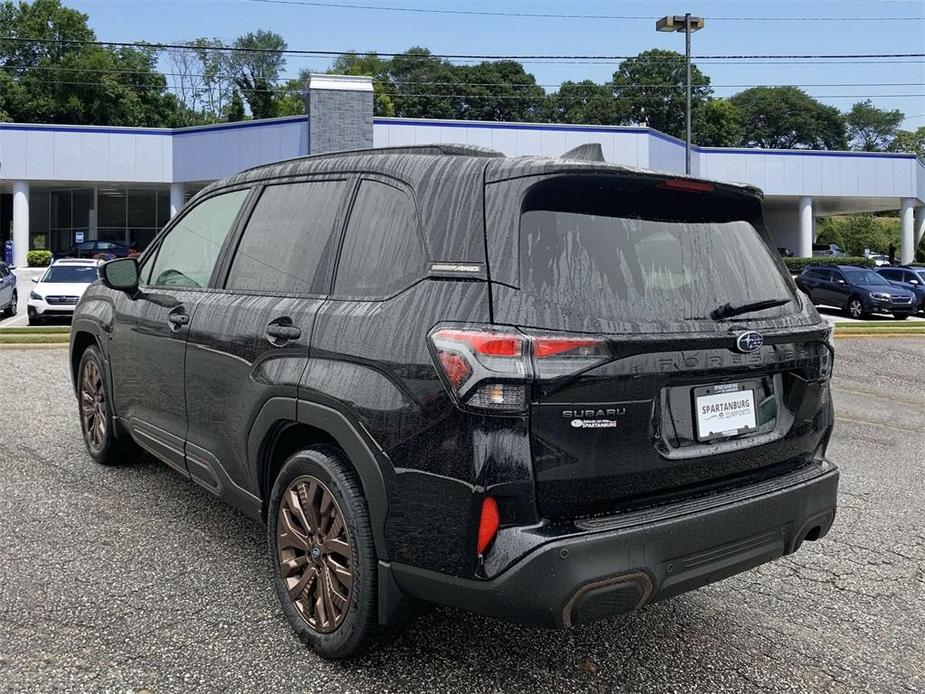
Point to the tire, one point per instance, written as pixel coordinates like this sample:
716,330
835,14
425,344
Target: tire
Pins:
34,320
339,564
14,305
901,316
96,421
855,308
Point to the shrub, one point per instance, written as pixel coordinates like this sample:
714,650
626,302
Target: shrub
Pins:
38,258
796,265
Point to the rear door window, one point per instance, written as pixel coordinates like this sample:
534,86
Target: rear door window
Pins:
287,244
382,252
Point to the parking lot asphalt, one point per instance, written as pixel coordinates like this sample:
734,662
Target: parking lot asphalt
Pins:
129,579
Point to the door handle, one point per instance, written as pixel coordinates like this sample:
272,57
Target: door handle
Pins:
282,330
178,318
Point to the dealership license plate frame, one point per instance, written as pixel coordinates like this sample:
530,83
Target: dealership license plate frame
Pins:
724,392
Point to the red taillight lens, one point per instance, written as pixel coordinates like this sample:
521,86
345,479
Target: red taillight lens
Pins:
490,344
489,522
455,367
545,347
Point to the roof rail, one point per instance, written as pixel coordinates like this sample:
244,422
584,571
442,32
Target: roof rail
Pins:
436,149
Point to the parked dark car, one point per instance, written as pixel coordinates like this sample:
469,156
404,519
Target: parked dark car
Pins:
858,291
9,298
93,249
827,249
912,279
546,390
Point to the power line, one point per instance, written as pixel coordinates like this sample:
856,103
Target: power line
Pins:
447,56
457,95
228,76
551,15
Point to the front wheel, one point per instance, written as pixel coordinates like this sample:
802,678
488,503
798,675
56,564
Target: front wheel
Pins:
34,319
856,308
323,555
900,316
96,420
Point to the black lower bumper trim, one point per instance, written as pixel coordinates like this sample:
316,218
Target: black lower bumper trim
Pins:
593,575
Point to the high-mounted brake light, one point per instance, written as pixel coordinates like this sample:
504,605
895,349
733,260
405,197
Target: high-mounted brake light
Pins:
687,185
490,369
489,522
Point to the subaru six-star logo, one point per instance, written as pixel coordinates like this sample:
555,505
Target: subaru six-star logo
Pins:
749,342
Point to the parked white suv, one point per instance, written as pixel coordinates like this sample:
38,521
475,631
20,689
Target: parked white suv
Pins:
57,292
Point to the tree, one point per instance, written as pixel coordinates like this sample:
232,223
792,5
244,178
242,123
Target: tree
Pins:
425,86
60,78
872,129
910,141
234,111
856,233
500,91
582,102
256,64
717,123
788,118
651,90
369,65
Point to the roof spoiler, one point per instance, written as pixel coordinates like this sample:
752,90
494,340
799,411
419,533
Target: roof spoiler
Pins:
587,152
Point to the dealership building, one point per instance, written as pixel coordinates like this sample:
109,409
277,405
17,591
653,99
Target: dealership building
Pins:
61,183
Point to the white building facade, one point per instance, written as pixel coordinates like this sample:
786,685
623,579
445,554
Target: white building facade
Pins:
61,183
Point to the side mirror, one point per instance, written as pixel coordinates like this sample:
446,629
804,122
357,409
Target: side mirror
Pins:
842,282
35,280
914,282
120,274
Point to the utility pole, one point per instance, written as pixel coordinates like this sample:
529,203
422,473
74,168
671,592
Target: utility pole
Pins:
688,25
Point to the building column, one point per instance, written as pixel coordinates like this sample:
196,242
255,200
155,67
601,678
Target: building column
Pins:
177,198
918,224
807,227
20,223
907,243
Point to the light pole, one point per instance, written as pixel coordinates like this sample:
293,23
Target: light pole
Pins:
688,25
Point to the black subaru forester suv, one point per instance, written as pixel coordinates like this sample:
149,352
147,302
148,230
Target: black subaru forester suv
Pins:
546,390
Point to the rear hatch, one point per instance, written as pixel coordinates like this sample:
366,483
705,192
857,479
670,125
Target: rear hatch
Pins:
694,385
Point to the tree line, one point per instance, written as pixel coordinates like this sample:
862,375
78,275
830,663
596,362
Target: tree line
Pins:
55,74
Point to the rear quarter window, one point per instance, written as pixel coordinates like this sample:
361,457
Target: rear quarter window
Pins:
382,251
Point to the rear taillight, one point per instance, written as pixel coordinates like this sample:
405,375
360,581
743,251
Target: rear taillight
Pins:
490,369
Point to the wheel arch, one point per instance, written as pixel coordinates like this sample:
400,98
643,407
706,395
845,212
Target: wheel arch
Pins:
285,425
83,335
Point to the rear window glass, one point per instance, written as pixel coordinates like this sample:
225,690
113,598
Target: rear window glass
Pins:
864,277
634,268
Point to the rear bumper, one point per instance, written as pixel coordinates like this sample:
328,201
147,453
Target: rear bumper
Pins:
644,557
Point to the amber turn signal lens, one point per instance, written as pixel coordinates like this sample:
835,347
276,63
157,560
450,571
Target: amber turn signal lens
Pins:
488,523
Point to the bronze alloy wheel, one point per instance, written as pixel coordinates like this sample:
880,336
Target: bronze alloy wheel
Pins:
93,405
314,553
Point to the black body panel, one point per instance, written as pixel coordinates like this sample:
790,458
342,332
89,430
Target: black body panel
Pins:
218,395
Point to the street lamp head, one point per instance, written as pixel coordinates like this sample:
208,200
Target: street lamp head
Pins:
678,23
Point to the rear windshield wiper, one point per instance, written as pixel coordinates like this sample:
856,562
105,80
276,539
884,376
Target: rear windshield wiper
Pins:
728,310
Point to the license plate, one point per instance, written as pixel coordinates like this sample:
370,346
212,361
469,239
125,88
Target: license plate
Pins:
726,411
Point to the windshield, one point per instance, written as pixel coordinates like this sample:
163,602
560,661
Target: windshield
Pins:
864,277
645,269
71,274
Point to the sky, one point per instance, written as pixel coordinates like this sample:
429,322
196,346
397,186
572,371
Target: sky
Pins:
733,27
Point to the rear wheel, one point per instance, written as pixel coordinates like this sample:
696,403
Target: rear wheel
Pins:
323,554
856,308
900,316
